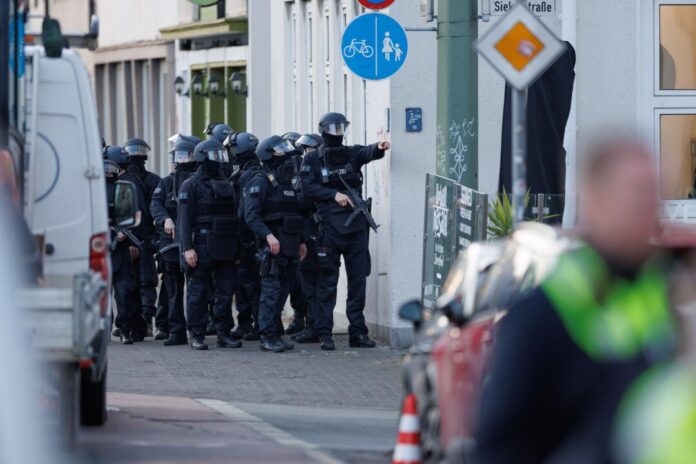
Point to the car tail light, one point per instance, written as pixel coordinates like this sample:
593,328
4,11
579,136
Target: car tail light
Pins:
99,263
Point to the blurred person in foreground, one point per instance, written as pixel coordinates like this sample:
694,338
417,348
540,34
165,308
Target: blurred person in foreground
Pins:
656,420
567,353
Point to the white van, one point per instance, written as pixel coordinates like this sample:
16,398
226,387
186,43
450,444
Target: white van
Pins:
66,209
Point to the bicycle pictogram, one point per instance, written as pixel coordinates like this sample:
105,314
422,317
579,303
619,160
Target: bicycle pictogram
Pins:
360,47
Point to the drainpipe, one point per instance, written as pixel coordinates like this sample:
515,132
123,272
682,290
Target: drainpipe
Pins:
569,21
457,91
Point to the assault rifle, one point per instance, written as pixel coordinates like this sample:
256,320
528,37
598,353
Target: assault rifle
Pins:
360,206
129,235
174,246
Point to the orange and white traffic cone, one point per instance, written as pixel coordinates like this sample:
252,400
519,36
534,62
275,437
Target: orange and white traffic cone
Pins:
408,442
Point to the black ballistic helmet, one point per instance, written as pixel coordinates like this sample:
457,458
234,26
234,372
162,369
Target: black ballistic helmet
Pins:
118,156
137,148
241,142
292,137
182,152
312,141
273,146
218,131
211,150
333,124
178,137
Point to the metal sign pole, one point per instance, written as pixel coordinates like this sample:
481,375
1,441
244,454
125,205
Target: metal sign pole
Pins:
519,154
519,151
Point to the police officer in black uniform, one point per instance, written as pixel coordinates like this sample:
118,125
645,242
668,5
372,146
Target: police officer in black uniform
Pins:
321,179
298,302
242,149
138,151
208,229
272,212
164,212
124,269
220,132
309,268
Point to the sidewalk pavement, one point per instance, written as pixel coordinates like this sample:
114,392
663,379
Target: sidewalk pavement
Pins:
305,376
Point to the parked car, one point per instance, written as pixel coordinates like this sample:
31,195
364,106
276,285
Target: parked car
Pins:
446,367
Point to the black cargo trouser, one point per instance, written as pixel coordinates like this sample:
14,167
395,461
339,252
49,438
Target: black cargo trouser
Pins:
248,289
298,299
162,314
127,296
174,289
354,249
222,276
274,293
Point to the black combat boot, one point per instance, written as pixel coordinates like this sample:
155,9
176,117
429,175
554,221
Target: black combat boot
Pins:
296,326
176,340
225,341
288,345
272,344
161,335
306,336
116,332
126,338
198,344
361,341
327,343
253,335
240,331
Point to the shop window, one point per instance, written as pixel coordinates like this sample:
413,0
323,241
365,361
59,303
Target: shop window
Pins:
677,47
677,155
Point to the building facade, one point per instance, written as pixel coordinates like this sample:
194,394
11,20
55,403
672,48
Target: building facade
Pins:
297,74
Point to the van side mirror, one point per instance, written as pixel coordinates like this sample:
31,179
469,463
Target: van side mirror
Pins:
412,311
52,38
126,213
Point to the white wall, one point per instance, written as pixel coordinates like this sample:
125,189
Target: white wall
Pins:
399,258
137,20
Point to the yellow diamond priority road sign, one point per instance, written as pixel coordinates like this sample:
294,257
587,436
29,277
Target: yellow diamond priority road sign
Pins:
520,47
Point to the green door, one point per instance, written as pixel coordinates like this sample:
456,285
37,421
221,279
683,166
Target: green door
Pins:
211,108
236,104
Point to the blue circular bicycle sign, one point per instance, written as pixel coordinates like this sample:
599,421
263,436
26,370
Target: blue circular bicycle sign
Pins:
374,46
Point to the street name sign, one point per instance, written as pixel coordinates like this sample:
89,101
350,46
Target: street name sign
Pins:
374,46
537,7
520,47
376,4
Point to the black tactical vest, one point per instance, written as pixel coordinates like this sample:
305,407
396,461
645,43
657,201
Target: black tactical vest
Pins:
216,218
330,172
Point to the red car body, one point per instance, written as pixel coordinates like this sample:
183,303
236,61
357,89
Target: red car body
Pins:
460,357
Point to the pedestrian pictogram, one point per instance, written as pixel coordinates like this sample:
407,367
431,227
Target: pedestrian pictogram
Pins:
520,47
376,4
374,46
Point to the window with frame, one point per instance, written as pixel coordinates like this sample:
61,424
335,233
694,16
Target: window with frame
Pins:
674,97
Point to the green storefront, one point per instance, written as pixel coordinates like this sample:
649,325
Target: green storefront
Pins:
216,70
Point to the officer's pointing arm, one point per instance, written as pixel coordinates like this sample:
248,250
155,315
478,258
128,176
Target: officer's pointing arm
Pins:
312,187
366,154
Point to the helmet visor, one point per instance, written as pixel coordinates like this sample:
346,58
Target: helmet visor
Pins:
336,129
219,156
111,168
137,150
307,142
181,156
283,147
